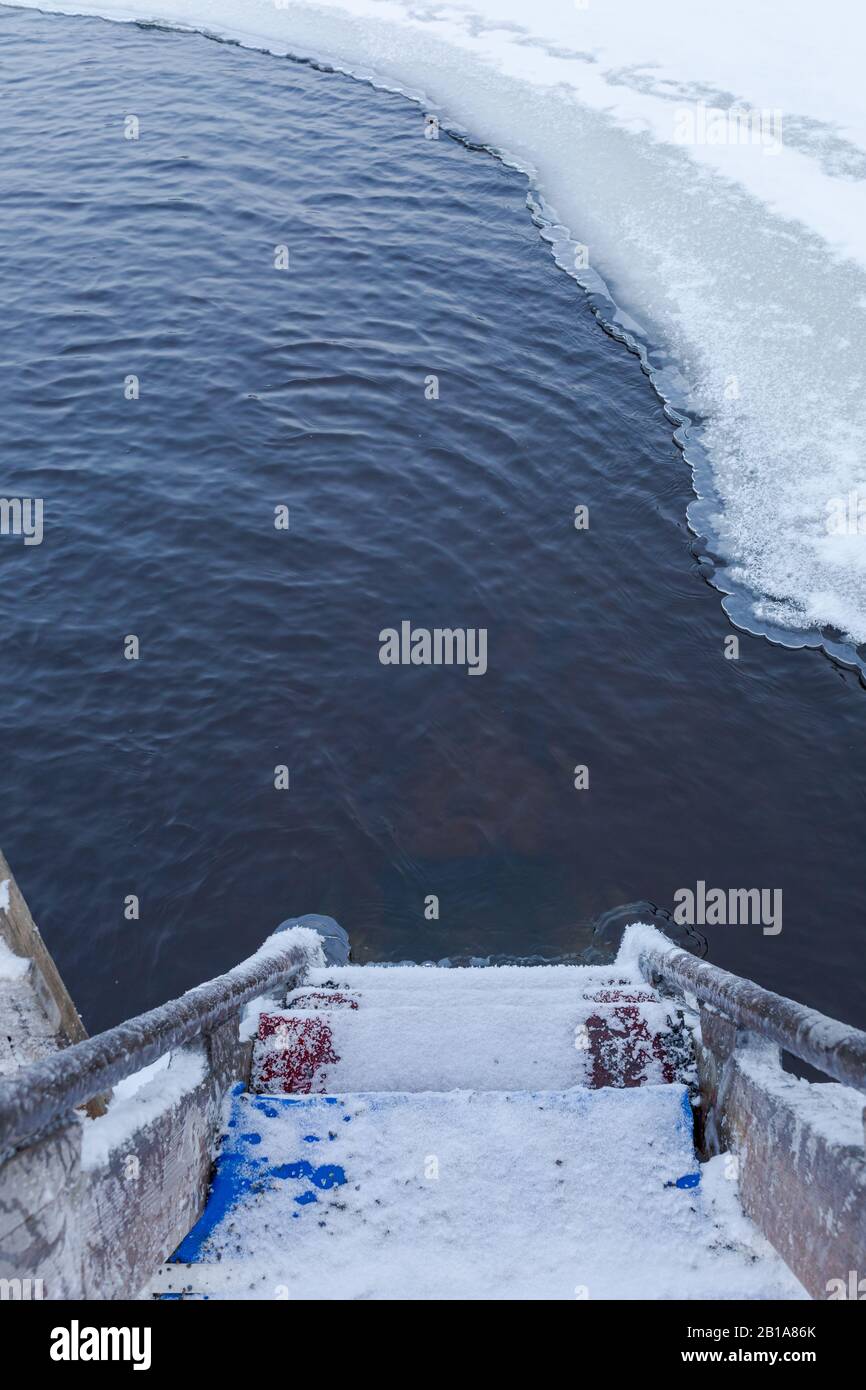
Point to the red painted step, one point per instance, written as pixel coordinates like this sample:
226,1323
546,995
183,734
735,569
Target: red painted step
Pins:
292,1055
614,1036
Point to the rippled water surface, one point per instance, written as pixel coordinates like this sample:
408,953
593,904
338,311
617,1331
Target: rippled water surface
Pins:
407,257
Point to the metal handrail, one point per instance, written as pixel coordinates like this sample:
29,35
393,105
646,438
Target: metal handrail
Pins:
45,1092
834,1048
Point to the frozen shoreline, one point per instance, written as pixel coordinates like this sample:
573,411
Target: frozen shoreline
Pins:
741,266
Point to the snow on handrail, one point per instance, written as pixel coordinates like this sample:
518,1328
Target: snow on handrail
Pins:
45,1092
834,1048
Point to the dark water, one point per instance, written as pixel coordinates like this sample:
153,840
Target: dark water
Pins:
155,777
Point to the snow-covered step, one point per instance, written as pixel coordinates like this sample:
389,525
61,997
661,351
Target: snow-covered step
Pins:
584,1194
338,992
392,979
533,1044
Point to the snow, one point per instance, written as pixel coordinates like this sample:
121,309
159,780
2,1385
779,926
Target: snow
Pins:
137,1101
12,967
639,938
275,945
721,1198
740,264
249,1023
4,895
472,1195
834,1112
126,1089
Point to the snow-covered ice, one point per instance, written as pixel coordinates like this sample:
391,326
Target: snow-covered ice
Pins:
713,162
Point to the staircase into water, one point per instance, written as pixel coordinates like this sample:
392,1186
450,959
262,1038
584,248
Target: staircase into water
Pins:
502,1132
306,1128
